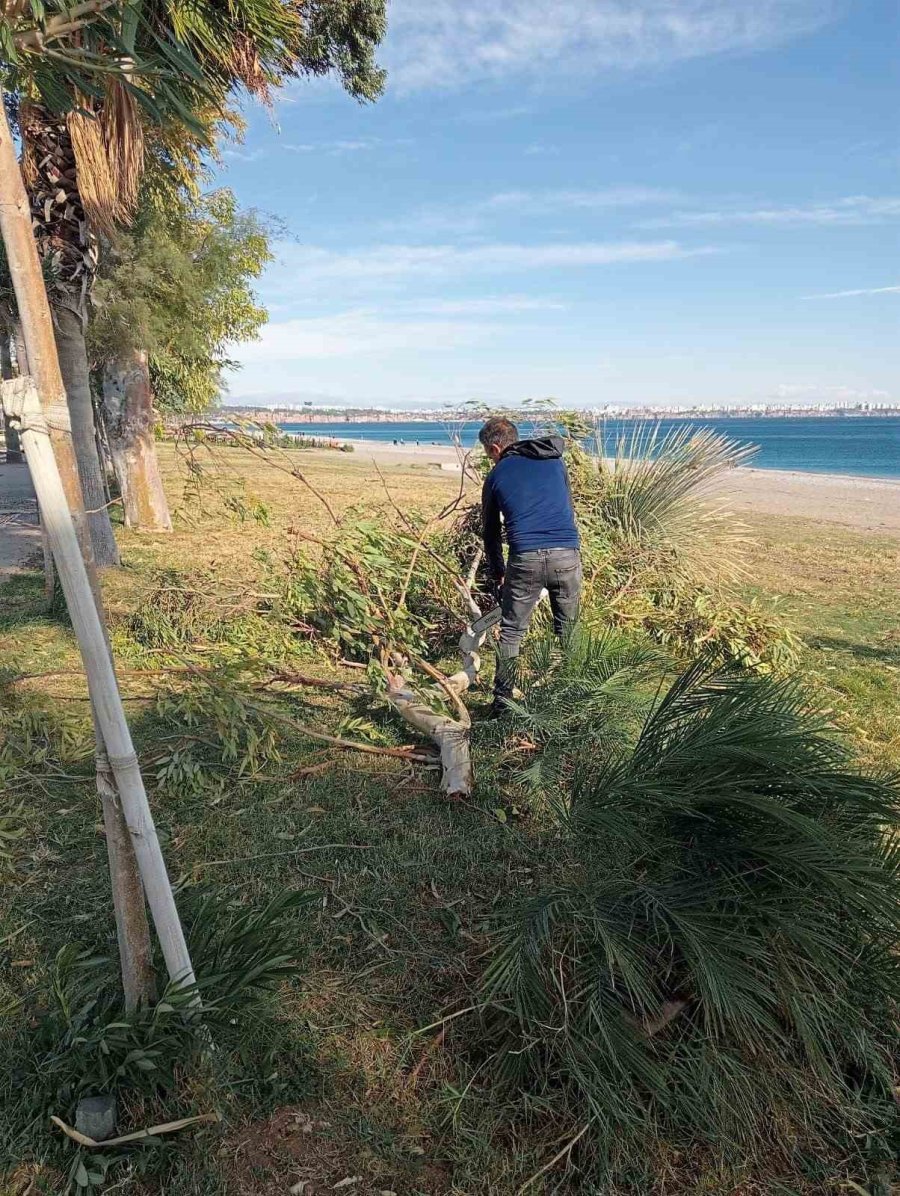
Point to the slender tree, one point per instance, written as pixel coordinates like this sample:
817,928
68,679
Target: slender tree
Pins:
168,302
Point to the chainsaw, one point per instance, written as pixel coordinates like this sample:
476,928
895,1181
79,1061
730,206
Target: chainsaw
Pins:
492,618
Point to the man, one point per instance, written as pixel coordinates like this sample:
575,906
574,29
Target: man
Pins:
529,488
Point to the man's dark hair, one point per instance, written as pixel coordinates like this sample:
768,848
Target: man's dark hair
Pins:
500,431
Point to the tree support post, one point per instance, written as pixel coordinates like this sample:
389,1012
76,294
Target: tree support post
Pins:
20,400
36,356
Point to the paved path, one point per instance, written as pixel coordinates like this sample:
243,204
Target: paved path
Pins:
20,536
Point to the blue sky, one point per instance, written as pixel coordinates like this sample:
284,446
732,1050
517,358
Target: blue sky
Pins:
636,201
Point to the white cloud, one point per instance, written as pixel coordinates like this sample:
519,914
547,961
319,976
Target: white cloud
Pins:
853,294
311,265
449,43
239,155
849,210
540,202
490,305
351,333
333,148
472,217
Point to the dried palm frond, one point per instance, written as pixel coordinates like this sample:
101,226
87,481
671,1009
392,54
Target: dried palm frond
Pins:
109,152
248,67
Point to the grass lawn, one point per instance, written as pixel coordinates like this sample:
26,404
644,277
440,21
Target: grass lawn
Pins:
333,1084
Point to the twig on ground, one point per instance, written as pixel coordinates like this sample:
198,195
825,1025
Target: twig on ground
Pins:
350,744
271,855
556,1158
436,1042
153,1131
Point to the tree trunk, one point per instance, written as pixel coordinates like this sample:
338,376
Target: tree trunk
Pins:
73,363
37,327
127,407
10,435
36,351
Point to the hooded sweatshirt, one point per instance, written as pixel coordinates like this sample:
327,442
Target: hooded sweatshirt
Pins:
529,487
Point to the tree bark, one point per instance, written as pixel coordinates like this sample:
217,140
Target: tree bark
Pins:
10,435
37,327
73,363
127,407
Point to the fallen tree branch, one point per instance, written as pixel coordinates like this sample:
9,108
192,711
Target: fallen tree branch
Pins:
350,744
450,735
566,1150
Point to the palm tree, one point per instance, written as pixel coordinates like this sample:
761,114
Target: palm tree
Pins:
83,128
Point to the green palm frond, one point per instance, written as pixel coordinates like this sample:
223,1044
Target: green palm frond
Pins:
597,682
715,958
658,494
176,58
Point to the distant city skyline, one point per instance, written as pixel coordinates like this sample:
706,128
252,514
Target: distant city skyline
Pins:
643,201
309,408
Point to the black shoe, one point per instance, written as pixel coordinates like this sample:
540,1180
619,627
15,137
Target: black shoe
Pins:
498,709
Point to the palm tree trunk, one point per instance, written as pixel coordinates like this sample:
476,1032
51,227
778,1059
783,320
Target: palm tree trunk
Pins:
10,435
37,327
127,407
73,363
17,343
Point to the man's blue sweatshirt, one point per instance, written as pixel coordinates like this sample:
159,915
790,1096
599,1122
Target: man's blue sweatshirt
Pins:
529,487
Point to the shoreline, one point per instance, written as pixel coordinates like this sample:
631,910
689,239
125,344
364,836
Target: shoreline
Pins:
447,453
869,504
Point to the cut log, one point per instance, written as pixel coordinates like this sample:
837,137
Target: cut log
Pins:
449,735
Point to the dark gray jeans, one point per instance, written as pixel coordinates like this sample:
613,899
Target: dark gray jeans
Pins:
556,570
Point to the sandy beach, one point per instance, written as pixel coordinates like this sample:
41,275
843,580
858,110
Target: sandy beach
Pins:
864,504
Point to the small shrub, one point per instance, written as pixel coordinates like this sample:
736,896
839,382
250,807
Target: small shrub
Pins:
374,587
703,623
598,683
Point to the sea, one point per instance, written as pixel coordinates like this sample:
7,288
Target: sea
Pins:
865,446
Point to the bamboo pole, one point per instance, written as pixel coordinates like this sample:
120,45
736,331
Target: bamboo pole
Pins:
20,400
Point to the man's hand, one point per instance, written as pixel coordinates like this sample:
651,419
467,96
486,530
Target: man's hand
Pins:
497,588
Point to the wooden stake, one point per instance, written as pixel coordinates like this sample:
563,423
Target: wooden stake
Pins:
20,400
36,356
132,933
